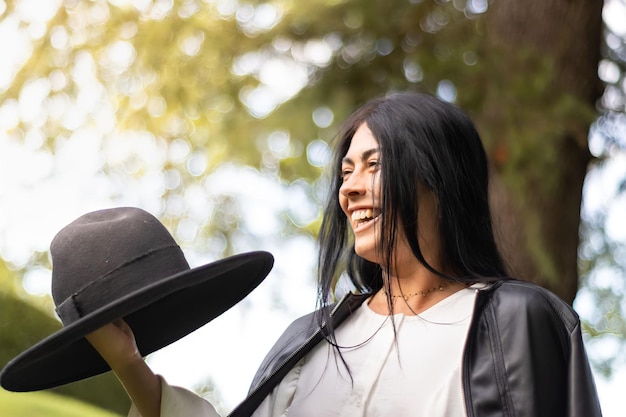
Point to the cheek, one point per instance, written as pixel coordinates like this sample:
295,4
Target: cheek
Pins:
376,185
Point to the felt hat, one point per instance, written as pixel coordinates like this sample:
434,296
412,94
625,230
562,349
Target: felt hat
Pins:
123,263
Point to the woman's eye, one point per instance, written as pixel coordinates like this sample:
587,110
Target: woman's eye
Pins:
374,163
345,173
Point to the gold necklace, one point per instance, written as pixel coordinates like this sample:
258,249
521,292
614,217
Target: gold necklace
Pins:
423,293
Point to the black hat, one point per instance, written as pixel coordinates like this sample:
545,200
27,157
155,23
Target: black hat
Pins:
123,263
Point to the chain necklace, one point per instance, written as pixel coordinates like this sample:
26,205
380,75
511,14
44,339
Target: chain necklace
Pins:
423,293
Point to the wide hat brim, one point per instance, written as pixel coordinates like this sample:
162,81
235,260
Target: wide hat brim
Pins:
158,314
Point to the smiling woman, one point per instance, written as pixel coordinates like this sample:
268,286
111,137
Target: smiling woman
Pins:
435,327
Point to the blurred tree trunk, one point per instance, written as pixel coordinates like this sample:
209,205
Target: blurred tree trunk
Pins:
542,55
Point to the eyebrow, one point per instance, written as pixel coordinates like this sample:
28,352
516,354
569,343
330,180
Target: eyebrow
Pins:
366,154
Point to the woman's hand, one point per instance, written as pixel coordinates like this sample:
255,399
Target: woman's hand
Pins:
115,342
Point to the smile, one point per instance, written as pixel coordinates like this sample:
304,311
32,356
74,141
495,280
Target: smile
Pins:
360,218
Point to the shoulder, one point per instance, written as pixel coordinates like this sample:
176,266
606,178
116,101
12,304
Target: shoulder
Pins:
297,332
337,312
521,300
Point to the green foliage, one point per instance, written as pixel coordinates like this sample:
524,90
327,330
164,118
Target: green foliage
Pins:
8,281
601,259
191,73
185,72
46,404
17,335
22,325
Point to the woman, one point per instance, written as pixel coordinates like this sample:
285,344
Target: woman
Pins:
436,327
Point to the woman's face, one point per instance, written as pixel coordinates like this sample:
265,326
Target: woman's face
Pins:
359,198
359,193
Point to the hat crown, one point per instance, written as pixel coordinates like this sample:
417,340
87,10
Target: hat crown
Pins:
109,253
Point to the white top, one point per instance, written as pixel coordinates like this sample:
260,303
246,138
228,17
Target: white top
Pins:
417,374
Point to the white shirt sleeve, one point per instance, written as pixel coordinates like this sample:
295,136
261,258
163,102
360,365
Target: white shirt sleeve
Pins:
179,402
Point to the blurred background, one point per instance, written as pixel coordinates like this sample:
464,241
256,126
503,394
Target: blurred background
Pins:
217,116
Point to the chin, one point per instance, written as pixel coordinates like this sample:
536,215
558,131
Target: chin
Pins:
369,254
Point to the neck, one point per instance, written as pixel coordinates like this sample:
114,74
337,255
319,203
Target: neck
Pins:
411,296
406,295
409,278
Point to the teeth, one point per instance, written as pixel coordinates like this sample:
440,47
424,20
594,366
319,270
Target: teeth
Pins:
362,214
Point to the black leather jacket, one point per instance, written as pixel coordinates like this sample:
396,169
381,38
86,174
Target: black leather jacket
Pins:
524,355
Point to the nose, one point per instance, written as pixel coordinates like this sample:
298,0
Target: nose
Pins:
353,186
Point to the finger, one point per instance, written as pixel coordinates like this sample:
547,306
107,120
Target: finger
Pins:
123,326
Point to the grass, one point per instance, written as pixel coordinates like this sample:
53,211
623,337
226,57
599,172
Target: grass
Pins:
46,404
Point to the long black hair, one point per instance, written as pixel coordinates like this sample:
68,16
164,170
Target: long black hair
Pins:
421,139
